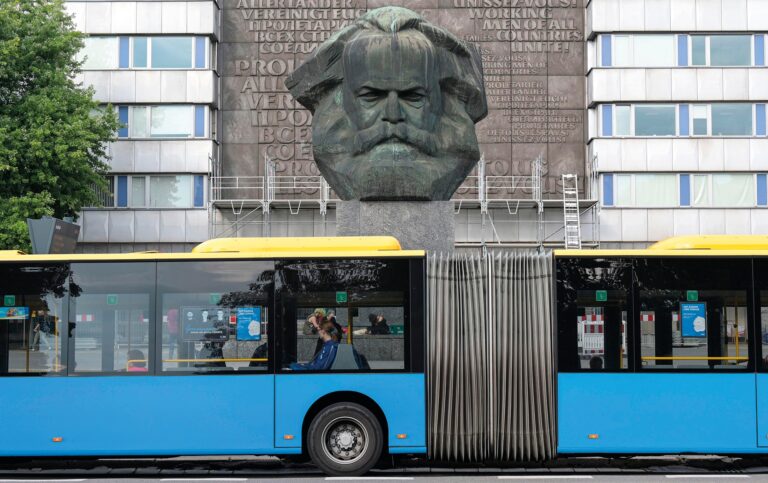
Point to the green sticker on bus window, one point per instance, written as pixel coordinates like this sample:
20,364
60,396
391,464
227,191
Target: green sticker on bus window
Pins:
111,299
9,300
341,297
214,298
601,295
692,295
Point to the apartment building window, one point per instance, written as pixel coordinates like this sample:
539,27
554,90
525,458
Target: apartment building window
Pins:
100,53
176,52
165,121
717,119
698,190
721,50
159,191
666,50
643,189
700,120
731,119
655,120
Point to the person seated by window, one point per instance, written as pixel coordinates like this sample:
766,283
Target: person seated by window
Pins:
136,361
378,325
331,319
323,360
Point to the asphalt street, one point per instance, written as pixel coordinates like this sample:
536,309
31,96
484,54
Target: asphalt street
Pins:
242,469
645,478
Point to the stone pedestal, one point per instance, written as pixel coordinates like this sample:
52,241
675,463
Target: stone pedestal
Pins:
418,225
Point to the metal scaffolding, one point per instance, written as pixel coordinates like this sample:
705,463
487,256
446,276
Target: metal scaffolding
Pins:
246,204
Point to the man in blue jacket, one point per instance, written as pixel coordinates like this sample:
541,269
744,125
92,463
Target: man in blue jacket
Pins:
323,360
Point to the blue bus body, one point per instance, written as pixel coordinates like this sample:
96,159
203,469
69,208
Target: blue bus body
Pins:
154,354
199,415
662,353
658,413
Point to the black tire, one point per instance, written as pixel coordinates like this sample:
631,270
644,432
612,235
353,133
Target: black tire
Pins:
345,439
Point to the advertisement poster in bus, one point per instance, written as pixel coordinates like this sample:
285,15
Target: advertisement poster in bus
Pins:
694,319
205,323
249,323
14,313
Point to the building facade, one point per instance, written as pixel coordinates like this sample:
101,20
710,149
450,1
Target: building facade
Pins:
676,93
154,62
658,107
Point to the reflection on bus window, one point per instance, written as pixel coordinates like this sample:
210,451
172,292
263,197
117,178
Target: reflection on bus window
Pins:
215,315
110,315
602,331
363,300
32,318
693,314
593,310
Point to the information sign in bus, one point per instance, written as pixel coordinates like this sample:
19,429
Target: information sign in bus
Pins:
694,319
205,323
249,323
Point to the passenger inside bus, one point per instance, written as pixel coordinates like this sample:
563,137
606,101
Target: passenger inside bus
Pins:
323,360
136,361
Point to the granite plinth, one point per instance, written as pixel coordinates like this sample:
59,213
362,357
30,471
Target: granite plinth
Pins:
418,225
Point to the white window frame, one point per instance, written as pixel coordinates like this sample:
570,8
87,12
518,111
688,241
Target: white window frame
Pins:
117,53
149,108
707,51
708,118
631,38
633,191
754,121
147,191
658,136
150,38
631,120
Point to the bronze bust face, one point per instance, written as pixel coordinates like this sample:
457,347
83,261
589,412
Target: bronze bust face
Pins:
395,100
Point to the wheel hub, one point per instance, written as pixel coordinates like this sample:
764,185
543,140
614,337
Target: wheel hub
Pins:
345,441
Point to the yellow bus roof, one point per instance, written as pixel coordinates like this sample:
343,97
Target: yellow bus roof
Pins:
244,248
693,245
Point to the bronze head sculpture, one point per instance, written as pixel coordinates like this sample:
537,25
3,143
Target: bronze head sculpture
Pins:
395,100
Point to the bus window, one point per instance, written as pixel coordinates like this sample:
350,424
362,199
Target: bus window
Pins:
364,301
110,315
592,324
32,318
761,284
214,315
693,313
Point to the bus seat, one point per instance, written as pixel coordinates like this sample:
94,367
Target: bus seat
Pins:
345,359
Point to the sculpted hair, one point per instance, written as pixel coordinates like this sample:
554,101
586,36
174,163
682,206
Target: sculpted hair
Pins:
459,64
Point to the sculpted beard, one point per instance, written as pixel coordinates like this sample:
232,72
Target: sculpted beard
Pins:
367,139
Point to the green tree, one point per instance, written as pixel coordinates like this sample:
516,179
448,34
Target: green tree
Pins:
53,135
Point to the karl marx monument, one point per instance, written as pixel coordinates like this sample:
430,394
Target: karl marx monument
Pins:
394,100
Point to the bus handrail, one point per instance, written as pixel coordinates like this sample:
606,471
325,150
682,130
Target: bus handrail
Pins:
693,358
260,359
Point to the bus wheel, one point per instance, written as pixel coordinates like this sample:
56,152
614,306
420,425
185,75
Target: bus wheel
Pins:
345,439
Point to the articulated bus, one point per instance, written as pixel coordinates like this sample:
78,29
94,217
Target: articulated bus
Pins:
657,351
185,354
664,350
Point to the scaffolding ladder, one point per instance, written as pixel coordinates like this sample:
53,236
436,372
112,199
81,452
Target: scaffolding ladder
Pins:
571,215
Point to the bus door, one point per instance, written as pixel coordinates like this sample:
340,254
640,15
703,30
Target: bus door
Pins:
694,370
761,292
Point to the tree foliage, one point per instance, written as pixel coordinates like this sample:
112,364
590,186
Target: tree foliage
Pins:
53,135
